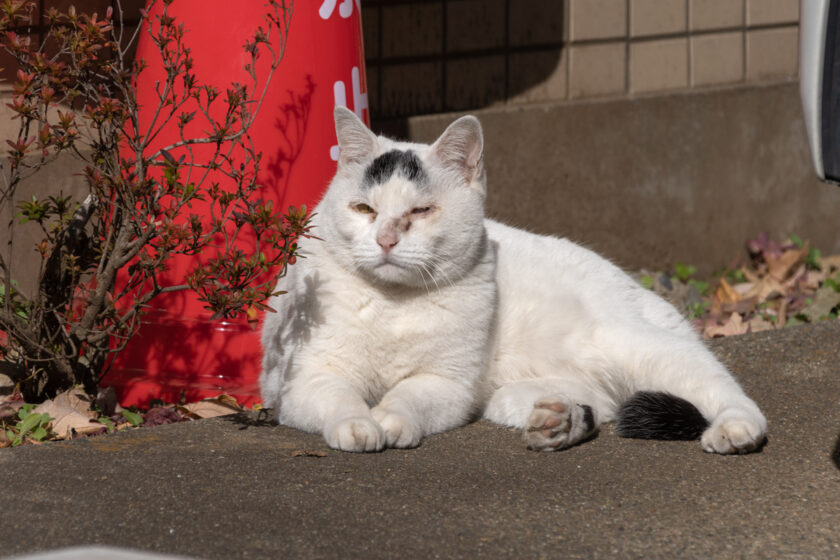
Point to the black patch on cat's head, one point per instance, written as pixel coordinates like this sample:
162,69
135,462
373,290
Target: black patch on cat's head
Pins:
407,164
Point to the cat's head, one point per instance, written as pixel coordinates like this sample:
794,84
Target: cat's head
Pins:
402,213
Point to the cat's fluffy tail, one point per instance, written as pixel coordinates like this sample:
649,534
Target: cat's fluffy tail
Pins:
650,415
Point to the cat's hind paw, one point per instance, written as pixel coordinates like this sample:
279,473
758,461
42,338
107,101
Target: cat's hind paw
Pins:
355,434
734,432
557,423
400,431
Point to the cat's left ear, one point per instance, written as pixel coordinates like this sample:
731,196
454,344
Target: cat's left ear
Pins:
461,147
356,143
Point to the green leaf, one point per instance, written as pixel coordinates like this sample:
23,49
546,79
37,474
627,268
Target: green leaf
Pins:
697,310
109,424
796,240
684,271
813,259
38,434
646,282
29,423
133,418
24,411
701,286
736,276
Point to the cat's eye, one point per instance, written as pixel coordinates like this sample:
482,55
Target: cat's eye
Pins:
363,209
421,210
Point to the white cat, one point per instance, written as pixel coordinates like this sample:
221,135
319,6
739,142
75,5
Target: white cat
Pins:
413,314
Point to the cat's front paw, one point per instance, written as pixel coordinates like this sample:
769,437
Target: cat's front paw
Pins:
734,432
557,423
400,431
355,434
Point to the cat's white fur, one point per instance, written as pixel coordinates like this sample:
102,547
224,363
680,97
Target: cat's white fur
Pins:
420,315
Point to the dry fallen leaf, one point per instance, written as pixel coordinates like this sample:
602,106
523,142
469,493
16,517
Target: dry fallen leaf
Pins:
766,288
781,267
830,264
210,408
735,325
757,324
742,307
750,275
825,300
724,293
813,279
78,400
67,421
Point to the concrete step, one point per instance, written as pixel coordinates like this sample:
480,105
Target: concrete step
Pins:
236,487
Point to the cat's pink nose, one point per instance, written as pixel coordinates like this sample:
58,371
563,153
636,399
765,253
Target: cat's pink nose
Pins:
388,236
387,242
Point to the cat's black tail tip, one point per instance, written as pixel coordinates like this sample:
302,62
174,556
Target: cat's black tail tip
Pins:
652,415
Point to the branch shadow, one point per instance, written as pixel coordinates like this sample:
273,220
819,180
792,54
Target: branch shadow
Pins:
261,418
291,124
179,353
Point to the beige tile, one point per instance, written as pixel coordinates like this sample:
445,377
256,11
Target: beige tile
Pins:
597,19
658,65
716,14
411,89
370,32
539,76
773,54
473,83
534,22
762,12
412,30
655,17
597,69
474,24
717,58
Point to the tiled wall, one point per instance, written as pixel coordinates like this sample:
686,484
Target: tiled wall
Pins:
428,56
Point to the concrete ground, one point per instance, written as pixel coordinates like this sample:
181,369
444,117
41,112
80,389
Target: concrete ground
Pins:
235,487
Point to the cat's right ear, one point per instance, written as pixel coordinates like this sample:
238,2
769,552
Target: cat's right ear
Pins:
356,142
460,147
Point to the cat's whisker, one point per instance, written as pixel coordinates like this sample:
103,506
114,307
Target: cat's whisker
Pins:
433,276
422,272
439,270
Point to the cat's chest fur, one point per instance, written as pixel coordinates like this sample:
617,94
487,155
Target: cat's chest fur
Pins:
377,335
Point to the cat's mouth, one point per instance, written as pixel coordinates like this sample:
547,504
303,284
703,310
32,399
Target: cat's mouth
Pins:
391,271
388,264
